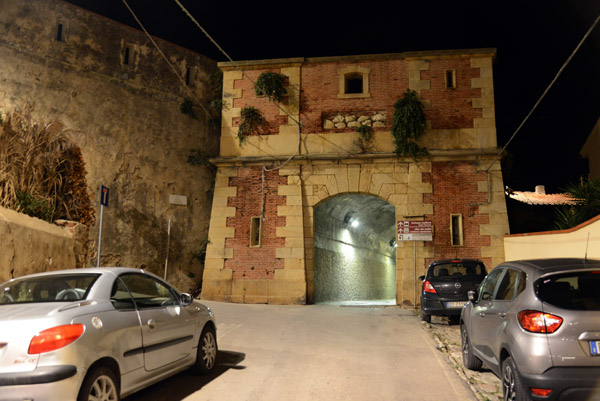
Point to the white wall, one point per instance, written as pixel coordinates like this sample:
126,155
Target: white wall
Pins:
554,244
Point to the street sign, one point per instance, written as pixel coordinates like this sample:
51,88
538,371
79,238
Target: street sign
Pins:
415,230
104,192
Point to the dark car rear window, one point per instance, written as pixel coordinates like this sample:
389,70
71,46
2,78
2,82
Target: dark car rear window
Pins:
457,269
50,288
575,291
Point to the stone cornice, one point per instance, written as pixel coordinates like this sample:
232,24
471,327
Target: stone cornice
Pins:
434,155
419,55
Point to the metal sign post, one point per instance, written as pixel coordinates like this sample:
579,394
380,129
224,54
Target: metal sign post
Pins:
411,230
104,192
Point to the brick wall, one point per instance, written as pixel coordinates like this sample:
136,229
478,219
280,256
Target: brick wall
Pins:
255,262
451,108
320,87
455,186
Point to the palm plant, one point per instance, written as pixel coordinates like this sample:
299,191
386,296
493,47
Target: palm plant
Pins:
587,194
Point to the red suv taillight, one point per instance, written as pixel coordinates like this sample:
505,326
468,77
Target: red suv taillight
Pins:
427,287
539,322
55,338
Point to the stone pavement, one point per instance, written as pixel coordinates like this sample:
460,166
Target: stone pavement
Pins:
485,385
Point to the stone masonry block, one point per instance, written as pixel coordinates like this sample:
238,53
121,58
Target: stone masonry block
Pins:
293,232
221,232
289,170
293,275
286,210
294,242
293,264
293,200
293,190
222,193
286,253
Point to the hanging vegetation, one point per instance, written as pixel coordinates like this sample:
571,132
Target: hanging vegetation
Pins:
271,84
250,123
42,173
187,108
408,125
365,138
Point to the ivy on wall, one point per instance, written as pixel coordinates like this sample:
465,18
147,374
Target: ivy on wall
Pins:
365,138
250,123
271,84
408,125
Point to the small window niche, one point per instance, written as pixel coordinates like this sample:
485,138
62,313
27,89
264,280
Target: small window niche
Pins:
450,79
127,55
60,32
255,231
190,76
456,229
354,82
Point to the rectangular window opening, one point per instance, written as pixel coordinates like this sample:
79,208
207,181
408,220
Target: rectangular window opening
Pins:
188,74
126,56
450,79
255,231
456,229
59,32
354,83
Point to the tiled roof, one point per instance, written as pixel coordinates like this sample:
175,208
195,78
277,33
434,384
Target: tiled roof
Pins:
536,198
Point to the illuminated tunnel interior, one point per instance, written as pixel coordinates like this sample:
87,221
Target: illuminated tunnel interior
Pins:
355,251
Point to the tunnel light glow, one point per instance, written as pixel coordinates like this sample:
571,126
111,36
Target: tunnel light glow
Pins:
347,249
355,223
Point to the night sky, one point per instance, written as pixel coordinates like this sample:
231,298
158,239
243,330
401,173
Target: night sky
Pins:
533,39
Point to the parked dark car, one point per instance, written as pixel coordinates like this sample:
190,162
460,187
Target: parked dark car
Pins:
446,284
536,325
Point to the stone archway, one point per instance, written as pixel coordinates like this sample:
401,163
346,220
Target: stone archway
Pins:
354,250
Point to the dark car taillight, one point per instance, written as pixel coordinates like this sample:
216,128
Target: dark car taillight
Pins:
539,322
427,287
55,338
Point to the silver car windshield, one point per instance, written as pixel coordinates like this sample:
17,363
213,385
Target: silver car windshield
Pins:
51,288
574,291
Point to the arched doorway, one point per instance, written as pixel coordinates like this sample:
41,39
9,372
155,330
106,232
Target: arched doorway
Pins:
354,250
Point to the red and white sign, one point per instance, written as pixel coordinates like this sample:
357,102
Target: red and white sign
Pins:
415,230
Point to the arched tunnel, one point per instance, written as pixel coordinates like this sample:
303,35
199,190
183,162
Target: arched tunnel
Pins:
355,250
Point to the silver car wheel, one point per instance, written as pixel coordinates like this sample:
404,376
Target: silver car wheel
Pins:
209,349
508,382
103,389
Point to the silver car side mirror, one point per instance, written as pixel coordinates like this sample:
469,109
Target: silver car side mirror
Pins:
186,299
472,296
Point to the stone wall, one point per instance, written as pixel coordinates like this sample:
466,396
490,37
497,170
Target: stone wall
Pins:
29,245
120,103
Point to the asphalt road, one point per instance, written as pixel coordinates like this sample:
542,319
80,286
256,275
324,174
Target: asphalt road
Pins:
315,352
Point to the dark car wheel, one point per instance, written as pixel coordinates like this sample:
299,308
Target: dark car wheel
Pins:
512,388
207,351
469,360
425,317
99,384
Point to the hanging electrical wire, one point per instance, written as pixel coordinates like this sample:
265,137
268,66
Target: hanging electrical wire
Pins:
236,65
546,91
166,59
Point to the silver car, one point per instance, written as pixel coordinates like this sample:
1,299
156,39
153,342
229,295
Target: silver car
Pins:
536,325
98,334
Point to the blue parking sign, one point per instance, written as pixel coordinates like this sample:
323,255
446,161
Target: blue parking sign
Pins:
104,191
